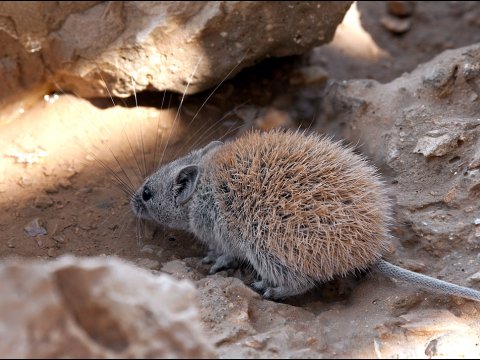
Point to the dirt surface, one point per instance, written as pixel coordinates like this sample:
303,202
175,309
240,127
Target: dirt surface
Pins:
52,181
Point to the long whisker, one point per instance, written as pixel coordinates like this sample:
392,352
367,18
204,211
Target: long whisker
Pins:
108,90
113,213
157,134
144,174
124,183
208,98
140,174
123,226
139,225
127,189
216,88
207,130
180,107
230,131
122,169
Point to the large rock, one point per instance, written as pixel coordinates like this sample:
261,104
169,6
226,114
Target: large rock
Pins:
93,48
371,322
423,130
96,308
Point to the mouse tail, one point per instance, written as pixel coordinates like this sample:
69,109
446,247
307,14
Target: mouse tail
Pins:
425,281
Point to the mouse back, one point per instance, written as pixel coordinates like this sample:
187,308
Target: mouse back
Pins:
306,200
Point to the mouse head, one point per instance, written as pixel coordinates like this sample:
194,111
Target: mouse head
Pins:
164,196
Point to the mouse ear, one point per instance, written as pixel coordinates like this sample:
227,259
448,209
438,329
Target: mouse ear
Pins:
210,147
185,183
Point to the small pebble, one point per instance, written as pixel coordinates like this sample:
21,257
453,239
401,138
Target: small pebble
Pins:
35,228
474,279
434,145
65,183
148,263
309,75
413,265
59,238
83,191
85,227
51,252
52,189
451,195
25,181
71,173
255,344
48,171
395,25
152,249
475,163
43,202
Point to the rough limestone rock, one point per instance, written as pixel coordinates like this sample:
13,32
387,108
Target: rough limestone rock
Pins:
372,323
89,46
96,308
423,130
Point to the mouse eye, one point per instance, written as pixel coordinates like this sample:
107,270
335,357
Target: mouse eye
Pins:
146,194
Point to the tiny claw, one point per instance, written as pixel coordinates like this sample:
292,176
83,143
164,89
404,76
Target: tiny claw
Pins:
259,286
210,258
223,262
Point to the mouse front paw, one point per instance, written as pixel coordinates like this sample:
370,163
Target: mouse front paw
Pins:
223,262
211,257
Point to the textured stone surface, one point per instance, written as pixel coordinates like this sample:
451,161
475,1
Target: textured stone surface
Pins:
87,47
98,307
374,321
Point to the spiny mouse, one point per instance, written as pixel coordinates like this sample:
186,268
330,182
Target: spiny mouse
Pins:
299,208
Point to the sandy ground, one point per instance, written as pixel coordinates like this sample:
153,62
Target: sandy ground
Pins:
59,152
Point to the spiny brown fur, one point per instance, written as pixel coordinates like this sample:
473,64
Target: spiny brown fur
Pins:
312,203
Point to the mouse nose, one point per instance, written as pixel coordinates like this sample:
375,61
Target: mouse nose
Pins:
146,193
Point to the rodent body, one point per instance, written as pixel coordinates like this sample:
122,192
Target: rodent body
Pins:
300,209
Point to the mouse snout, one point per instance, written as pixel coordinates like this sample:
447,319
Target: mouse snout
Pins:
139,201
147,193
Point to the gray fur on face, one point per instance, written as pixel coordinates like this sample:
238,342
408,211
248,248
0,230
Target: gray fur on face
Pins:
165,195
